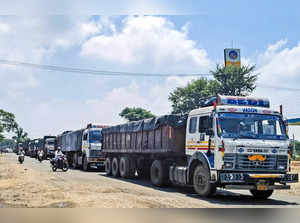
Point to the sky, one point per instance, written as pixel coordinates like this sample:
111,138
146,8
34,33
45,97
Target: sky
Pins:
140,37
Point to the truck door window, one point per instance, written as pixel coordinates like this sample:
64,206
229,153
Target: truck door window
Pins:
193,125
204,123
85,136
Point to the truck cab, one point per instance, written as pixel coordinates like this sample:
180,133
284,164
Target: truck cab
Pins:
49,146
241,143
92,146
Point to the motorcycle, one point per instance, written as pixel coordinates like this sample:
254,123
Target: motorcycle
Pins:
60,163
40,156
21,158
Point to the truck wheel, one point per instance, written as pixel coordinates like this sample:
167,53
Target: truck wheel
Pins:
158,173
124,167
85,164
201,182
108,166
115,167
258,194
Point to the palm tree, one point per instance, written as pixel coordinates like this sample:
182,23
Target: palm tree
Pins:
21,136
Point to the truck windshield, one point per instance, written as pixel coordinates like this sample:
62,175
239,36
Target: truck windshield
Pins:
50,142
95,136
251,126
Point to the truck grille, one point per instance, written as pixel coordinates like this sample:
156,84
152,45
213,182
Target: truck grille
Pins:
241,162
95,153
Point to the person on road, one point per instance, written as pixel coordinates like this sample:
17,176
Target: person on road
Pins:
58,153
21,151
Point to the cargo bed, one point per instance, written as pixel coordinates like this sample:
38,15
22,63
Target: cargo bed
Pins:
165,134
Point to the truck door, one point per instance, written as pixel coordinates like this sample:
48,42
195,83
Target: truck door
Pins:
206,136
192,136
85,143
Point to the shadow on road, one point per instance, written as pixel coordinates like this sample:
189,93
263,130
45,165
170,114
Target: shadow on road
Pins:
222,197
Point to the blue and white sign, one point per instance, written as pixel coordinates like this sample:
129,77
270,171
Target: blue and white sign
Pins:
232,57
244,101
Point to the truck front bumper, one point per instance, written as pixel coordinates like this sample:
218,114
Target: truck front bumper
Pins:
96,162
253,180
255,187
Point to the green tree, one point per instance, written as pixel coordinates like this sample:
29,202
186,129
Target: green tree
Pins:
185,99
227,81
135,114
7,122
21,136
235,81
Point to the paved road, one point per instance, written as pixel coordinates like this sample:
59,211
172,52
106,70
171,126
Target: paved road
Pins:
223,198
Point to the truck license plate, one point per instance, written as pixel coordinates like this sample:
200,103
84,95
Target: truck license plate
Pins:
262,187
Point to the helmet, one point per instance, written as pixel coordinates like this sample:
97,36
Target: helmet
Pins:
59,148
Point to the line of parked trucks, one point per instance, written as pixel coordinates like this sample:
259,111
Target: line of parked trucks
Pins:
81,147
229,142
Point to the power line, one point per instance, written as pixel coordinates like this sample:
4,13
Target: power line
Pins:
115,73
93,72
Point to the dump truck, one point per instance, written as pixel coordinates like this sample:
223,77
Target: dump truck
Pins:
229,142
83,147
48,146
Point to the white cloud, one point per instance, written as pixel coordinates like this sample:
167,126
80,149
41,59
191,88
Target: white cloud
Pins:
279,66
4,28
152,42
88,29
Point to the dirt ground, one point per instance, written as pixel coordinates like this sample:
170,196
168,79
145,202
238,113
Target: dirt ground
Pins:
21,186
27,186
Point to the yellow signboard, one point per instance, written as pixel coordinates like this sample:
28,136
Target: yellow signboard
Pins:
232,57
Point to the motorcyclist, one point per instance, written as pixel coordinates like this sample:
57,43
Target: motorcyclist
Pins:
21,154
58,154
41,153
21,151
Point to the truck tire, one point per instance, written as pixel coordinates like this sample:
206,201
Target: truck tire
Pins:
158,173
124,167
108,165
201,181
115,167
263,195
85,164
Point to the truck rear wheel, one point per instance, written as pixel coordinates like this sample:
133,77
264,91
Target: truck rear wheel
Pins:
158,173
201,181
124,167
261,194
108,166
115,167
